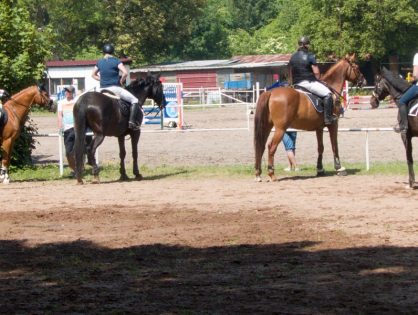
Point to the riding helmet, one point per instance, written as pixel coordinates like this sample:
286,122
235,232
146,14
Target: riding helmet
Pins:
108,49
304,40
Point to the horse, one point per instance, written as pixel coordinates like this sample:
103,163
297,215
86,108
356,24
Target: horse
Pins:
387,83
106,116
16,109
285,107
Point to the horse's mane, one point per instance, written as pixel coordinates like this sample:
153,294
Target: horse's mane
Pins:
137,83
396,81
331,73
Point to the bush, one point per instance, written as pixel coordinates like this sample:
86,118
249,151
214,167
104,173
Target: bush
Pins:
24,144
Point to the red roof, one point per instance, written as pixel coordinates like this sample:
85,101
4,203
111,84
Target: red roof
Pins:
262,58
78,63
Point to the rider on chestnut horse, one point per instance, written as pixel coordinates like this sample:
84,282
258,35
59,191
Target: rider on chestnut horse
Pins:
305,73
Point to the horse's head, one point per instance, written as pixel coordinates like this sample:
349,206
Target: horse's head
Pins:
353,73
42,97
387,83
155,89
382,88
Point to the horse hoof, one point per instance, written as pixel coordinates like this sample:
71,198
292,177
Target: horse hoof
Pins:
320,172
124,178
258,179
80,182
342,172
96,180
139,177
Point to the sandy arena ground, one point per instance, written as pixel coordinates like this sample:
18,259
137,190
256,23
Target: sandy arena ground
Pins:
302,245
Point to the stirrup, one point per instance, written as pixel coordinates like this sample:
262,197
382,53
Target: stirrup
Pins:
330,121
133,126
399,129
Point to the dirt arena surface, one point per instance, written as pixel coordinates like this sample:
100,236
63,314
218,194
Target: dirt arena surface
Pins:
302,245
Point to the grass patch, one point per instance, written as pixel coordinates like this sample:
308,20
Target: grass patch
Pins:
108,172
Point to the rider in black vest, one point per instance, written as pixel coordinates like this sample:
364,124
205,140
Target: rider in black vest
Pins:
305,72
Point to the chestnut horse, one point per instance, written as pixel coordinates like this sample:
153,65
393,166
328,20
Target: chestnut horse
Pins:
285,107
17,108
387,83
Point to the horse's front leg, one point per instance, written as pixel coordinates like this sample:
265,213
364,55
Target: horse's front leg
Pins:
333,133
320,143
272,147
4,170
135,139
122,155
407,141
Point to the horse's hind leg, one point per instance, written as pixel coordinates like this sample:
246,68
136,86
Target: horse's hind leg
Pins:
135,139
97,140
272,147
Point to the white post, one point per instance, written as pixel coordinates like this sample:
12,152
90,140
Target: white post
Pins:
60,153
367,152
257,89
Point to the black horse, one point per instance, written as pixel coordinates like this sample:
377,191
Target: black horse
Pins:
107,116
387,83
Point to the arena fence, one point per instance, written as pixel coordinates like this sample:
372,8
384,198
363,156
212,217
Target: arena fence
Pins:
240,103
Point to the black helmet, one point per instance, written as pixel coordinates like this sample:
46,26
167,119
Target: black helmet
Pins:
304,40
108,49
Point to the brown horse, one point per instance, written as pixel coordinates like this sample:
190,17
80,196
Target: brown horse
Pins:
16,109
388,83
285,107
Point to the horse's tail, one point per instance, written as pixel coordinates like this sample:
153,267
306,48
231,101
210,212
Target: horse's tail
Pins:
262,128
80,128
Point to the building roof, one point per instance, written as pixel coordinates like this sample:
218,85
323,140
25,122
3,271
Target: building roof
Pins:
248,61
78,63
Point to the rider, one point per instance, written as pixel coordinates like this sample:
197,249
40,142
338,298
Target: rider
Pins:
409,95
305,73
107,72
3,96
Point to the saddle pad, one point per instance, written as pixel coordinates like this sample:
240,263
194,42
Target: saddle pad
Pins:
414,110
110,94
315,100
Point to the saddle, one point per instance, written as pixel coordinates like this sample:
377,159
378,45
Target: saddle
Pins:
124,105
315,100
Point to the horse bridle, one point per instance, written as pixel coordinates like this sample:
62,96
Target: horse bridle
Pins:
355,68
379,88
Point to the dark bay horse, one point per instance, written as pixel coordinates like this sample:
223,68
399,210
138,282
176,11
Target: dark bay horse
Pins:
285,107
104,116
17,109
387,83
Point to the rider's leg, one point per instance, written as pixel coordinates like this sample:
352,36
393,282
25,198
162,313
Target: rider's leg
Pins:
329,118
134,124
410,94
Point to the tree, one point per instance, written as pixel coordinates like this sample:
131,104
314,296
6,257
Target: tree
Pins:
23,50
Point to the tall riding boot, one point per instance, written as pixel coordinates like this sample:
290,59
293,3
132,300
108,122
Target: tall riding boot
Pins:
403,119
133,123
329,118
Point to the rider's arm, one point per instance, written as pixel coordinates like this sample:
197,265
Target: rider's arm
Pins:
316,71
415,67
124,72
95,73
415,72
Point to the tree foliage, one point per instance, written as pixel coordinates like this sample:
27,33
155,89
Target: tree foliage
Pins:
23,51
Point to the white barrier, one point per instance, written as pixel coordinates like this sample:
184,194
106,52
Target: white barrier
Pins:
366,130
